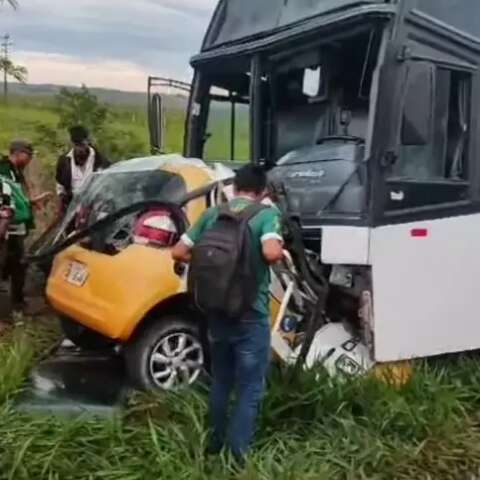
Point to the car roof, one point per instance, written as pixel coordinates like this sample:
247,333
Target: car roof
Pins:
195,172
156,162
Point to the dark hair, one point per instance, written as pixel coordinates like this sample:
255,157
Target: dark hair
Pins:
78,134
21,146
250,178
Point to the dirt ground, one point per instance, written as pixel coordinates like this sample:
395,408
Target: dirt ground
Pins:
35,297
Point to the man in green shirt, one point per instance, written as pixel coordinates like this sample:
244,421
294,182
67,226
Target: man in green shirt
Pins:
240,349
12,173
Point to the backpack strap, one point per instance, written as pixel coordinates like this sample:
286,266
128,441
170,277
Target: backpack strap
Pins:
244,215
252,211
225,211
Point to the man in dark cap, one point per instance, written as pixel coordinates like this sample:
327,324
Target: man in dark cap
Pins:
19,157
12,169
74,167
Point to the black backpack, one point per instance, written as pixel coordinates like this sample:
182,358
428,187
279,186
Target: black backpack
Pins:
222,279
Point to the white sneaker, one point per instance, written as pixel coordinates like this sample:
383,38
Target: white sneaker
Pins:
67,344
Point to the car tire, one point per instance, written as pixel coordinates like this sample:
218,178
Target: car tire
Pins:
167,354
83,337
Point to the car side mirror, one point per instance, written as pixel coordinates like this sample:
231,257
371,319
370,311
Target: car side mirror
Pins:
418,104
156,123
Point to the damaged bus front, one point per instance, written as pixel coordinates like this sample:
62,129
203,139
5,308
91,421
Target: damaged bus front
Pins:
362,111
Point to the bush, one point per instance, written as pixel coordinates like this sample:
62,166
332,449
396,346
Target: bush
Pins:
83,108
119,144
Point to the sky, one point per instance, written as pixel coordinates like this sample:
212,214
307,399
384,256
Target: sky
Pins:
106,43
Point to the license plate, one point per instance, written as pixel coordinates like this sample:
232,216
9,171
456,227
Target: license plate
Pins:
77,274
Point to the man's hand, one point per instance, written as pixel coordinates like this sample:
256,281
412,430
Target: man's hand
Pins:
182,252
62,206
4,223
272,250
39,201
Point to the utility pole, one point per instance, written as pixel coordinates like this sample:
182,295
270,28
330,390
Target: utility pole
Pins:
5,46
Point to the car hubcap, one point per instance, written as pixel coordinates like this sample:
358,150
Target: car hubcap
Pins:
176,361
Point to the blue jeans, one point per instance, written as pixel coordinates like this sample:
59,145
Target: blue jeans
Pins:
240,353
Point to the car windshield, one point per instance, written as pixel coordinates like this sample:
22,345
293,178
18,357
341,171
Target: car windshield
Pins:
108,192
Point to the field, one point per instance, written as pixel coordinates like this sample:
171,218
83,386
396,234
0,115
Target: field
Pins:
25,117
311,428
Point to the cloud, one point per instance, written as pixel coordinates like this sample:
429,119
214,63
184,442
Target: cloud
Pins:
66,70
150,36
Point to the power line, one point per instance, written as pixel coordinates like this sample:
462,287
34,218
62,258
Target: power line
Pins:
5,47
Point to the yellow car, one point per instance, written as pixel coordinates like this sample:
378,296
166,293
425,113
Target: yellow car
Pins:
119,285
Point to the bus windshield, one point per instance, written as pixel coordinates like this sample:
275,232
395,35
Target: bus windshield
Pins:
323,92
241,19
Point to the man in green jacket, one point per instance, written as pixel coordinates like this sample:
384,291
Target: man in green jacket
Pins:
12,173
7,212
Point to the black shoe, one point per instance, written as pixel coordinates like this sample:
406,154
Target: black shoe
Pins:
30,309
20,308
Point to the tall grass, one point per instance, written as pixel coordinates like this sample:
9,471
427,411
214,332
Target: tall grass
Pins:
311,427
20,347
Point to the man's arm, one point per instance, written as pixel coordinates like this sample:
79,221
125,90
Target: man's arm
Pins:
272,241
4,223
182,252
39,201
101,162
61,187
272,251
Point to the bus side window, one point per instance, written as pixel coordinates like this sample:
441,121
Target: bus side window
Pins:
458,126
443,156
224,120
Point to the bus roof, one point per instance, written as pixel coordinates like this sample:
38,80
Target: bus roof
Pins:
242,20
460,16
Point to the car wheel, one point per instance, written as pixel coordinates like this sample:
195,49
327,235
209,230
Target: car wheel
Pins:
83,337
166,355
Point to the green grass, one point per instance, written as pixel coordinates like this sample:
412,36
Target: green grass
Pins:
20,117
309,430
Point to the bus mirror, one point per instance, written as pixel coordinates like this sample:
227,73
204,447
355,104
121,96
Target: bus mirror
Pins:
156,123
312,82
418,104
